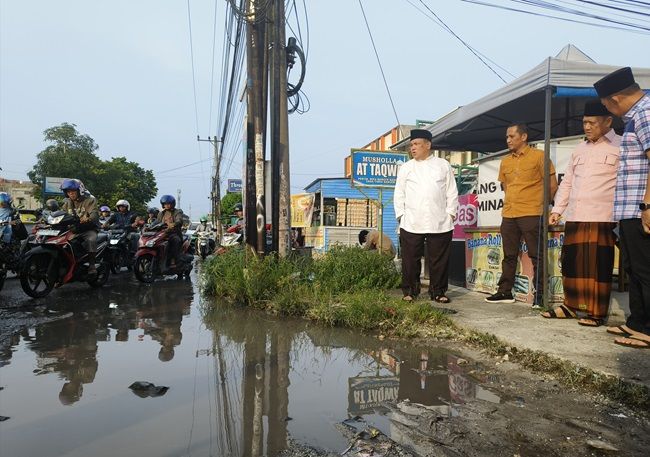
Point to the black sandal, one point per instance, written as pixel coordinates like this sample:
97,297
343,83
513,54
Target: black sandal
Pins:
442,298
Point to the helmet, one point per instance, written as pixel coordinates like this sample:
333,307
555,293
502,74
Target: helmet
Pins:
363,236
5,198
123,203
52,204
104,209
153,211
71,184
238,207
204,219
168,199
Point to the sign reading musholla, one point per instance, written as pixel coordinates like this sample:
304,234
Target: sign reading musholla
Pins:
366,394
376,169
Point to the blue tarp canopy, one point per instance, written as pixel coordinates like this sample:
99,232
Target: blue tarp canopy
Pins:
480,126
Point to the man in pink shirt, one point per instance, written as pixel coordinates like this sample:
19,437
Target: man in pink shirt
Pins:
586,199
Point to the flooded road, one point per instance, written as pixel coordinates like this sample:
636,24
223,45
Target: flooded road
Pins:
242,383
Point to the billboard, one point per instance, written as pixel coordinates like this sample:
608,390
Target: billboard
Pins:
234,186
376,168
52,186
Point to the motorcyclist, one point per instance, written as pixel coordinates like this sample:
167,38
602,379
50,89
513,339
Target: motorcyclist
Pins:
203,225
81,203
173,218
104,214
124,219
6,215
152,215
239,212
51,206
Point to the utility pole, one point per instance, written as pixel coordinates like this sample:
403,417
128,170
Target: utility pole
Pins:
256,127
280,184
215,193
178,198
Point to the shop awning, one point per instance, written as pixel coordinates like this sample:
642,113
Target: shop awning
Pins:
480,126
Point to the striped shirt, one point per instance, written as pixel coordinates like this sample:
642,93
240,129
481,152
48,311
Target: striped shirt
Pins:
634,165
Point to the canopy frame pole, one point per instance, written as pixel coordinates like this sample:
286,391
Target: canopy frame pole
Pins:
547,196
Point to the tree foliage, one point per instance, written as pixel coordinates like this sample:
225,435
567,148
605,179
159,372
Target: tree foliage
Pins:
228,203
71,154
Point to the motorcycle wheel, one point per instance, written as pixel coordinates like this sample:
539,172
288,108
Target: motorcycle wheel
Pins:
33,276
117,262
3,276
103,272
144,268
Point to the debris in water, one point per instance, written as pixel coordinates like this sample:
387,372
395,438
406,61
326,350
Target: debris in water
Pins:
603,446
145,389
519,401
112,305
619,415
3,418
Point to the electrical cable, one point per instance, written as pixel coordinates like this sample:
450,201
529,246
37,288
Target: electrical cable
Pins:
390,97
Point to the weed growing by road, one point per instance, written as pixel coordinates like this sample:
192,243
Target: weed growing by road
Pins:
345,287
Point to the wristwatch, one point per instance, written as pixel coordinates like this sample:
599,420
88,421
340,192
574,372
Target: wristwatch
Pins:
644,206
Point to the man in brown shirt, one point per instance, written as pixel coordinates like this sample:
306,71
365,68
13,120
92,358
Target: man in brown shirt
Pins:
522,178
370,240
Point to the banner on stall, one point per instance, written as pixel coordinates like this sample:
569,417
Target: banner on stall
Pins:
490,193
467,216
302,210
484,254
376,169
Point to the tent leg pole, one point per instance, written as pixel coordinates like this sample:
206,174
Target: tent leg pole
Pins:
547,196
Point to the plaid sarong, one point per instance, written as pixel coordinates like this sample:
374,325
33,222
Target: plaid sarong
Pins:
587,263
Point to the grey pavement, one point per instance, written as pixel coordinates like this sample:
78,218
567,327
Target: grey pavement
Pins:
519,326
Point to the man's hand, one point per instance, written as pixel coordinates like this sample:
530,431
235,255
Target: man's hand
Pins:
84,219
554,218
645,221
453,218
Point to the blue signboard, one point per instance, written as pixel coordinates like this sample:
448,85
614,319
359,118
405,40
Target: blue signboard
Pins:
52,186
376,168
235,186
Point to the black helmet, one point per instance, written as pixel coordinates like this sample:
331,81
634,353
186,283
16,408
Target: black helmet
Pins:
52,204
168,199
238,207
363,236
153,211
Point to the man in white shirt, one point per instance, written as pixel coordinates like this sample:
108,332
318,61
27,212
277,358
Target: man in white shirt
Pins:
426,201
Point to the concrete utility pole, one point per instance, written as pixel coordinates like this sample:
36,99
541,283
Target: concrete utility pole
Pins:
178,198
256,127
215,193
280,184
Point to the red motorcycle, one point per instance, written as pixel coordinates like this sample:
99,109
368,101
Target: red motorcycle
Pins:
56,257
151,260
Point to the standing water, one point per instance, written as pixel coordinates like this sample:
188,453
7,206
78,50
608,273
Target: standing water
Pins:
240,383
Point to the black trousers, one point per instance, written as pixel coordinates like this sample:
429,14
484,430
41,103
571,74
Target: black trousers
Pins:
513,229
438,247
635,254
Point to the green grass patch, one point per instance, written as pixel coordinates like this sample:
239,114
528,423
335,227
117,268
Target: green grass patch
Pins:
346,287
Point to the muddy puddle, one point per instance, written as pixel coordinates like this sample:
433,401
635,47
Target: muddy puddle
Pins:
146,371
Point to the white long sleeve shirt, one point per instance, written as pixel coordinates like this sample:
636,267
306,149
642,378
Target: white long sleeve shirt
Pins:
426,197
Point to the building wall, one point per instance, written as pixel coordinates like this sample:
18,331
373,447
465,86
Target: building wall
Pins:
21,192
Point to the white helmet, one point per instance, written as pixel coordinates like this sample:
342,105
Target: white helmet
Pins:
123,203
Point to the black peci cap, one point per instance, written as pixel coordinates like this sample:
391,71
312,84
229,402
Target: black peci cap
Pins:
614,82
421,133
595,108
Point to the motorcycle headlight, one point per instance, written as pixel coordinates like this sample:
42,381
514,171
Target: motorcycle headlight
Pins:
151,243
114,241
54,220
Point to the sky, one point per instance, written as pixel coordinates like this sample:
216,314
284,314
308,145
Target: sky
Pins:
122,72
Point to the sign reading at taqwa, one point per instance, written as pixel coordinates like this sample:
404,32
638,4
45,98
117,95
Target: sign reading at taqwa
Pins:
53,186
376,168
367,394
234,186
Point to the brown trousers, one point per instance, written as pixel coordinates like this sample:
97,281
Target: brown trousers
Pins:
438,247
513,229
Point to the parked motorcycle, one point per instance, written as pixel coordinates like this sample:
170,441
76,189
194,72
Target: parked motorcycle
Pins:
205,244
57,257
119,247
8,257
151,260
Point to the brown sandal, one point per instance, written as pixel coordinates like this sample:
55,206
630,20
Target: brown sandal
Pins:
555,313
591,322
632,343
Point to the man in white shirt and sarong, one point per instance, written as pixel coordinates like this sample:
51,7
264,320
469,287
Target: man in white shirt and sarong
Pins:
426,201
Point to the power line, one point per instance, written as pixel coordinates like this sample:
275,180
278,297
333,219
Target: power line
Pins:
390,97
214,43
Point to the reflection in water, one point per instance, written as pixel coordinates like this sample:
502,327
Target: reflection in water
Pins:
240,383
269,353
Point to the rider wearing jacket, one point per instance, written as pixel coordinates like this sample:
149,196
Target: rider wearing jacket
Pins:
124,219
82,204
173,218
